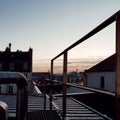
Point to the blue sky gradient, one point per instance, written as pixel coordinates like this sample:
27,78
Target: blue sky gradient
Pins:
49,26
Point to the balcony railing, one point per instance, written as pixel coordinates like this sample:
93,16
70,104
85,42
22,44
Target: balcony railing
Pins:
113,18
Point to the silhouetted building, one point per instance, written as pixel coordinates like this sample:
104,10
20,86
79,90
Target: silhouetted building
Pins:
15,61
18,61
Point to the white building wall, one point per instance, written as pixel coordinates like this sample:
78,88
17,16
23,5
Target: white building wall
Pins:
3,88
14,88
93,80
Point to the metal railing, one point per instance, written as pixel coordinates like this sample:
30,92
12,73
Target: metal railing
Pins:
113,18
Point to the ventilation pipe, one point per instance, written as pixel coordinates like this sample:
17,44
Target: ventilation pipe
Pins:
22,96
3,111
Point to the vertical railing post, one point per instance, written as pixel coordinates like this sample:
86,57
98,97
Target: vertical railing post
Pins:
44,94
51,84
64,83
117,104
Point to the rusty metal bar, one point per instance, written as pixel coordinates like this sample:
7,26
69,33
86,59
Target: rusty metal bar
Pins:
44,95
64,84
118,54
91,33
51,84
22,96
114,17
118,67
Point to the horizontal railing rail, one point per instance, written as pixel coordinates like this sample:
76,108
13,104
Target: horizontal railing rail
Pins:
85,88
91,33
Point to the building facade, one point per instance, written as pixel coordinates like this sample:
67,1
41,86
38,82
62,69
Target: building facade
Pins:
75,77
102,75
15,61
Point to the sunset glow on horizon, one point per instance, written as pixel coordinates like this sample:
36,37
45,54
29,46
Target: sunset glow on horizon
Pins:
73,64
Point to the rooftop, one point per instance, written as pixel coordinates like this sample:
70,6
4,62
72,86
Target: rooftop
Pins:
106,65
74,110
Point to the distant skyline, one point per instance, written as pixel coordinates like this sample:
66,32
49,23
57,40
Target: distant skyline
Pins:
51,26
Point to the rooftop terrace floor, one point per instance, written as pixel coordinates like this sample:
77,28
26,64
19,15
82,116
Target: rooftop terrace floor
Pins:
74,110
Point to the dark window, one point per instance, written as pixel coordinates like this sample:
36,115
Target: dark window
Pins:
10,89
0,89
25,66
1,66
102,82
11,66
86,80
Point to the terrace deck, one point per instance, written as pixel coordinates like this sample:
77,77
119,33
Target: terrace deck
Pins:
74,110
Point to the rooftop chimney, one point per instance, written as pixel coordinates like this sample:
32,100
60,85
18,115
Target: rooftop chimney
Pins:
10,46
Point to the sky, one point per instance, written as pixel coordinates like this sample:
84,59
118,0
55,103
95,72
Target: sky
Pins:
50,26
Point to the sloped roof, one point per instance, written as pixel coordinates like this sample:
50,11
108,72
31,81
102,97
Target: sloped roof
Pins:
106,65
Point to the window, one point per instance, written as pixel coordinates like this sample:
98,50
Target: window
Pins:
102,82
0,89
0,66
86,77
25,66
10,89
11,66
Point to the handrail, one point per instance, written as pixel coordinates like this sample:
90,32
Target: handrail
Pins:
114,17
85,88
91,33
22,97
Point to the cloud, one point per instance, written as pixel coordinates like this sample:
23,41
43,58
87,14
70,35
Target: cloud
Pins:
78,63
